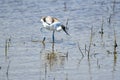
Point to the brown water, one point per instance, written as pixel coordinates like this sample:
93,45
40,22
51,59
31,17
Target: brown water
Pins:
89,53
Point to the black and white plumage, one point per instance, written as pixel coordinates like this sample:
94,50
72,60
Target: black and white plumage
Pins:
53,24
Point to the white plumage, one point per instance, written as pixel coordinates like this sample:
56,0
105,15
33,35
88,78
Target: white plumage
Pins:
53,24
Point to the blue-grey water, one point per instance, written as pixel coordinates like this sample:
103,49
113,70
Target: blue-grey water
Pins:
89,53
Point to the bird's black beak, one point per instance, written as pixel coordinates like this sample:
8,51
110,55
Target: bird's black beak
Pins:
64,29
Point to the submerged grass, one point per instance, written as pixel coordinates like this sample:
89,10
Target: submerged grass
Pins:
113,7
115,42
65,6
6,48
102,30
80,50
7,45
110,18
115,46
90,43
115,52
7,73
112,13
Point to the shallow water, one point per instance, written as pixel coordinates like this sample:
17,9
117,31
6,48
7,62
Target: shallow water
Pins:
87,54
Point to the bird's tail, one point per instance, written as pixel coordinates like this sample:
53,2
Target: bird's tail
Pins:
64,29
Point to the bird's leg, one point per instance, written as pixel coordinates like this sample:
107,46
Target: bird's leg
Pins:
53,36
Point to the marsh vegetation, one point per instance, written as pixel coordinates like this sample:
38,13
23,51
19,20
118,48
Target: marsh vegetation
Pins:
91,52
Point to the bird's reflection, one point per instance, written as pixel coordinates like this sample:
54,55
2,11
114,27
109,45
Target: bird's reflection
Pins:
54,59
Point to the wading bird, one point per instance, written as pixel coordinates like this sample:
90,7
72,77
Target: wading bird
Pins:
53,24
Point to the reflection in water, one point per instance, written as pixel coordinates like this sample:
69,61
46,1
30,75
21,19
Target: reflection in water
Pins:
7,73
114,63
115,52
54,59
51,57
115,58
98,65
89,65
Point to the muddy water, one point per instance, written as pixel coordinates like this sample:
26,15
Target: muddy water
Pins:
91,52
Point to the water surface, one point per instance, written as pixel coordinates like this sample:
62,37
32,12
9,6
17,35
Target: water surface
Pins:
89,53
